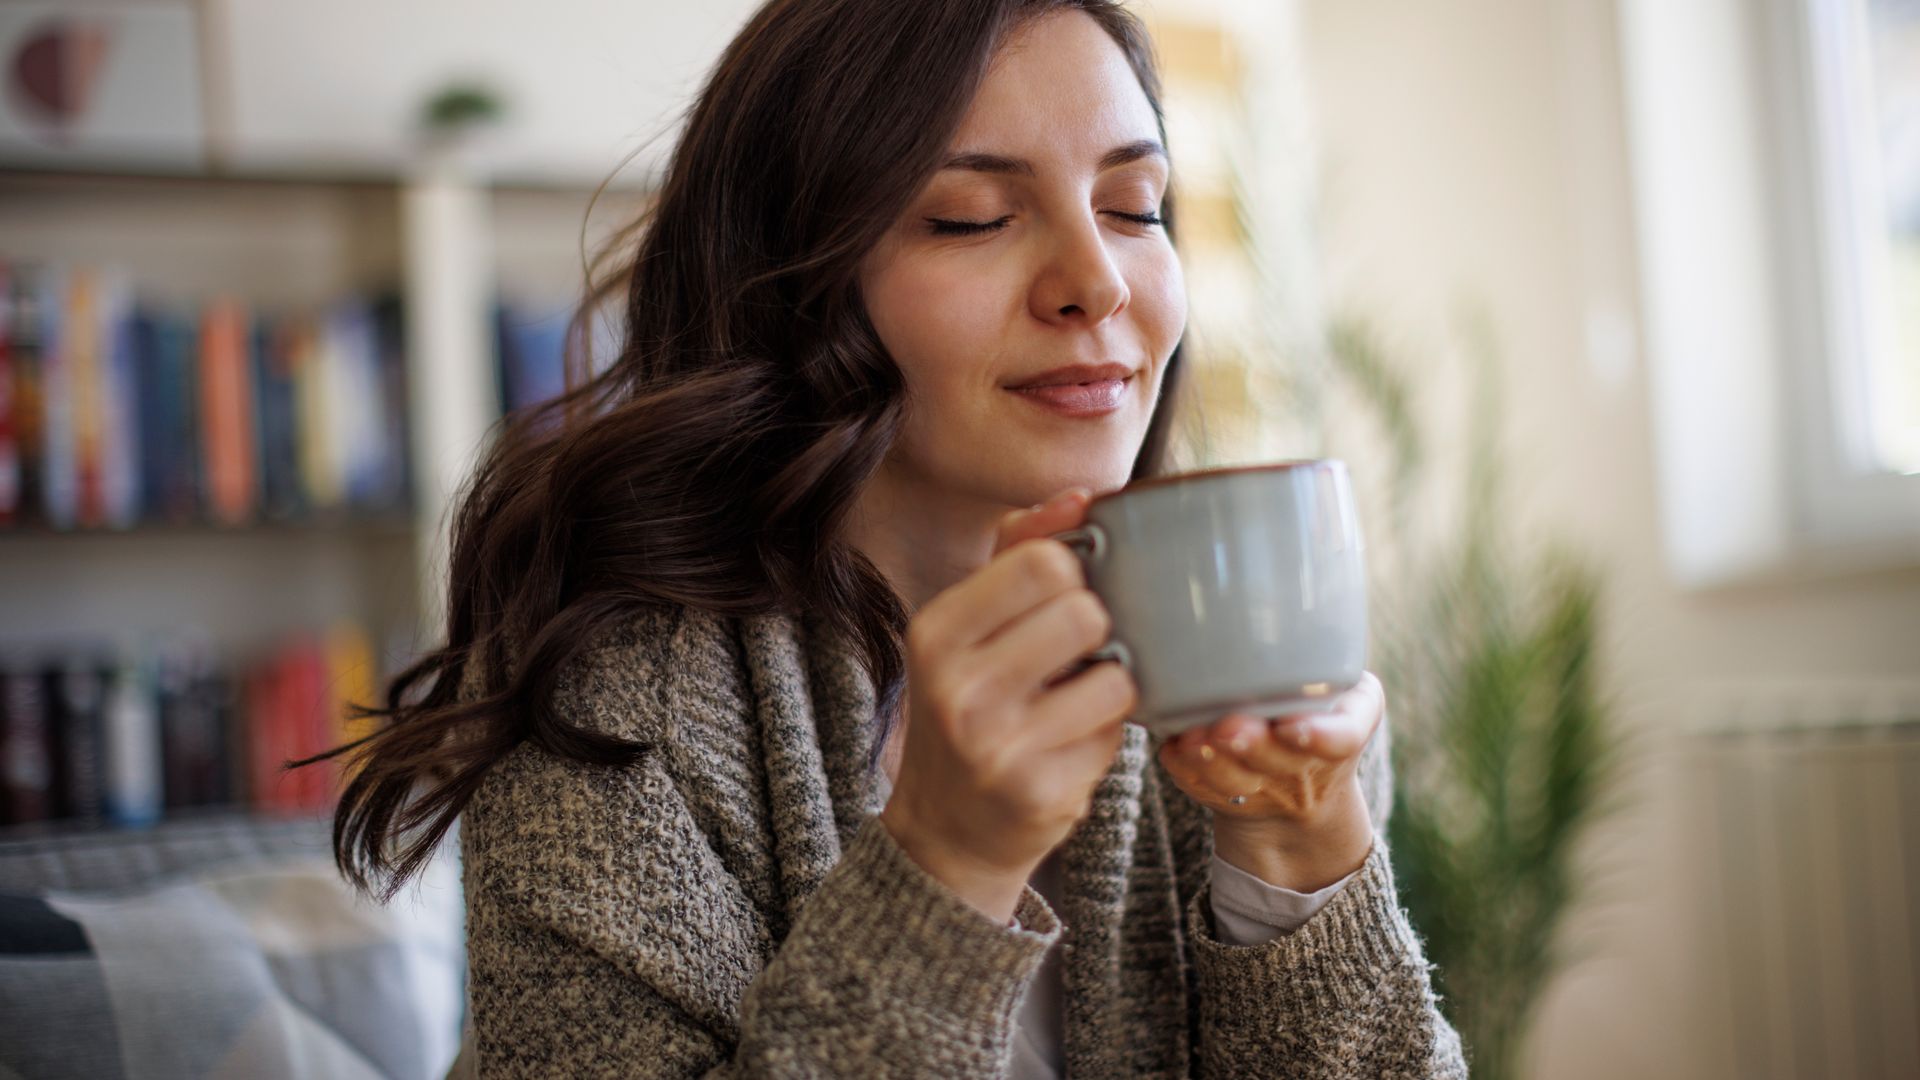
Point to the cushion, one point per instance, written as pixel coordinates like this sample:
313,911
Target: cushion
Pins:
226,948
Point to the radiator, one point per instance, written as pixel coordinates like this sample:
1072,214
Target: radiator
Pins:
1806,839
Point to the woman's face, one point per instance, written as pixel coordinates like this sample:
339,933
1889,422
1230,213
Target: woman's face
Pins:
1064,156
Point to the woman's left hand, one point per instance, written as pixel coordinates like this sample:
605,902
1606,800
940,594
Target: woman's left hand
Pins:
1303,818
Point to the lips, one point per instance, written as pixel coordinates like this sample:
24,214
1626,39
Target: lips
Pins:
1079,398
1074,375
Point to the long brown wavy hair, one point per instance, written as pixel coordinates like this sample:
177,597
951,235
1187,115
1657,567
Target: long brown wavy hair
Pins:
713,460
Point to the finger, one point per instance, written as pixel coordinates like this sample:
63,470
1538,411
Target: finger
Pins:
1222,733
1343,732
1015,582
1090,755
1058,514
1233,731
1267,747
1035,646
1334,735
1200,765
1086,703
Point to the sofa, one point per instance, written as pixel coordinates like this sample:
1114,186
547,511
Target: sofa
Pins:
221,944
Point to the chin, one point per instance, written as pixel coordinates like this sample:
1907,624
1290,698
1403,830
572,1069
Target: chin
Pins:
1100,479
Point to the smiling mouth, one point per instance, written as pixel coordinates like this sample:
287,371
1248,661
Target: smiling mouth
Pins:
1078,374
1096,398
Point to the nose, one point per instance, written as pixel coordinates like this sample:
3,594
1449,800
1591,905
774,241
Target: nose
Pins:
1079,279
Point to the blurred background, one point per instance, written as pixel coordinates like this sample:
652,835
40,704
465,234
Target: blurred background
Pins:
1612,306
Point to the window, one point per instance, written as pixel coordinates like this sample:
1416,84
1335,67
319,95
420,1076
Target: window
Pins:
1775,150
1868,78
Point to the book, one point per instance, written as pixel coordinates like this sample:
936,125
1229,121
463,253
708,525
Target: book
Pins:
531,351
81,346
23,300
59,463
194,740
394,488
132,772
164,362
121,736
227,428
282,491
115,412
27,780
9,444
76,693
119,407
351,671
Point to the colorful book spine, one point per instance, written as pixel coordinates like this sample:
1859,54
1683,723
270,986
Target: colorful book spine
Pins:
24,332
532,354
119,435
224,692
28,789
193,744
362,433
269,740
113,412
317,400
282,494
133,772
59,469
390,333
83,346
351,674
168,727
227,415
312,711
10,489
77,693
162,346
184,497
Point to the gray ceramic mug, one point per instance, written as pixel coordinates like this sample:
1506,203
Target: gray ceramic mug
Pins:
1231,590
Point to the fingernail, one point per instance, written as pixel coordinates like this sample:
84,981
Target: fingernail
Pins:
1240,743
1303,733
1206,752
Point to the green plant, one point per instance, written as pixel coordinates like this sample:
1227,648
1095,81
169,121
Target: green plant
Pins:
1503,751
461,106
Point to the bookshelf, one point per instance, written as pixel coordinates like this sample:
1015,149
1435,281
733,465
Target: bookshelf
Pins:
269,219
449,248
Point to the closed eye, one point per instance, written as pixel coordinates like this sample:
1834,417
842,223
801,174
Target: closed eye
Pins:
969,228
966,228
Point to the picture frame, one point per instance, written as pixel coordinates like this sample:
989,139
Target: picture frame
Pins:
102,84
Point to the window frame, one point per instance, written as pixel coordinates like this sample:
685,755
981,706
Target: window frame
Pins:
1749,220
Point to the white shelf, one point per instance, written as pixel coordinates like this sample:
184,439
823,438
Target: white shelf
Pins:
241,588
294,241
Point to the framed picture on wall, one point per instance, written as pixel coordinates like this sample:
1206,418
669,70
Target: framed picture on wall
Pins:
108,84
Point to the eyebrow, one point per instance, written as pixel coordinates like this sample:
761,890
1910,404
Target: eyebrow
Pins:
976,161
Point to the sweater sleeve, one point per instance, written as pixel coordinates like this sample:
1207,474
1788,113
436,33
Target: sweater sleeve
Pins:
1249,910
1347,994
606,938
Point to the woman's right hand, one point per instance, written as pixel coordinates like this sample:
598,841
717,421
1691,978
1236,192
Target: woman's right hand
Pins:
1000,761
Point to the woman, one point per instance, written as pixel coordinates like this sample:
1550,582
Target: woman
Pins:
760,703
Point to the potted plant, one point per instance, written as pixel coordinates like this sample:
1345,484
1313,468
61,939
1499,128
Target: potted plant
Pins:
1504,751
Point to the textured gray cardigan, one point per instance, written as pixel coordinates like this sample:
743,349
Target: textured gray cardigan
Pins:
732,907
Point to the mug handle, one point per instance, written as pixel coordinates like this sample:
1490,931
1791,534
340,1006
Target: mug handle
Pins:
1089,541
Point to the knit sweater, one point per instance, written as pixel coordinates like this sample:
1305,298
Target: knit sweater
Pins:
731,906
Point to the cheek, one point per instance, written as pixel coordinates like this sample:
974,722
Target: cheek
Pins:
934,320
1160,299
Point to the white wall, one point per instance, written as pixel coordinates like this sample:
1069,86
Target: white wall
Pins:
338,85
1475,149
